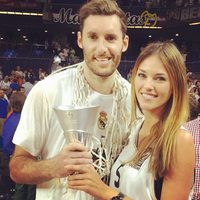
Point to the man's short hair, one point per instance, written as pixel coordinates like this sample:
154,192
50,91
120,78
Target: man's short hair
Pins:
104,8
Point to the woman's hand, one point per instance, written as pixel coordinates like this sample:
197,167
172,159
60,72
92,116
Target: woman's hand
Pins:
88,180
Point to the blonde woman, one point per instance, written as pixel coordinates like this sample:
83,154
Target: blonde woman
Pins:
158,162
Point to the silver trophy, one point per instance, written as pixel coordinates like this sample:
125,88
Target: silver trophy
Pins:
78,122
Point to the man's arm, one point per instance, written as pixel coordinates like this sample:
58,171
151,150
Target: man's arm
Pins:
25,168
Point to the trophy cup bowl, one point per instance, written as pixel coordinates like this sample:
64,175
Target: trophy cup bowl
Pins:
78,122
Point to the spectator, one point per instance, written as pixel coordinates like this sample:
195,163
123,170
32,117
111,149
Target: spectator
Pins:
3,109
17,99
14,86
5,84
1,73
193,126
27,86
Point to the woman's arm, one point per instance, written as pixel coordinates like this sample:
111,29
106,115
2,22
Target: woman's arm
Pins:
88,180
178,182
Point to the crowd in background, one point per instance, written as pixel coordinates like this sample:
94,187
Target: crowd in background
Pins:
194,86
14,88
17,81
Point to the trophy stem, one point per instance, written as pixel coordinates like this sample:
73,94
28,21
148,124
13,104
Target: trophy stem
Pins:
78,135
69,136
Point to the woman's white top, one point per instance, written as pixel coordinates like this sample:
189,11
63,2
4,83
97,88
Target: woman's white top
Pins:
134,181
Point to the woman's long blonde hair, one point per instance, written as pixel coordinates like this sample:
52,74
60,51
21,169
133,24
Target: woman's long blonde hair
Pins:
161,142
